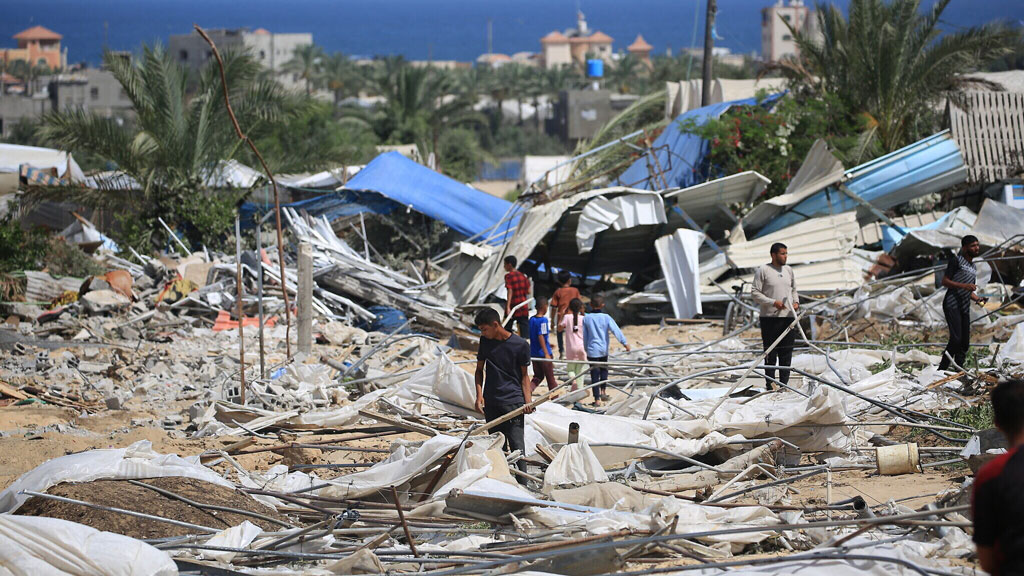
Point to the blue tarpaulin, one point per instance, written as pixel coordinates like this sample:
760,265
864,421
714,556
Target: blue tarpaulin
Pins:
464,209
393,182
927,166
681,154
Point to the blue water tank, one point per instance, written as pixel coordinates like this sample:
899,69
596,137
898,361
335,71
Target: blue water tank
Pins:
595,68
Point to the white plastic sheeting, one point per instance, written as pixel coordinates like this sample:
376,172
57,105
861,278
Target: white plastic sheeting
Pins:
691,518
404,464
12,156
549,425
477,460
1013,350
443,379
134,462
574,464
235,537
680,265
38,546
619,213
814,423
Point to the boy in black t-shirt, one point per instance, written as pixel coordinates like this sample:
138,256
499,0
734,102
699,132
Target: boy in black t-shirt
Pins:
504,357
997,501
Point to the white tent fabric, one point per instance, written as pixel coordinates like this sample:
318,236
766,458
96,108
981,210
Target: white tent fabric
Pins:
12,156
39,546
404,464
619,213
548,425
1013,350
574,464
680,265
536,167
134,462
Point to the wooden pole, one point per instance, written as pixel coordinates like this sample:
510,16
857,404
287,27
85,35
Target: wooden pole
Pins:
405,527
259,293
305,298
270,176
241,312
709,46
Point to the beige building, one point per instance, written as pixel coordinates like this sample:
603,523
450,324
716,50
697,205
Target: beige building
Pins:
271,49
777,40
575,45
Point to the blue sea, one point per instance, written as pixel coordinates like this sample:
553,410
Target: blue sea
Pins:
419,29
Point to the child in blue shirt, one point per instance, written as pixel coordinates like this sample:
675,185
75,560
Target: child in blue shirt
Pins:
596,326
539,346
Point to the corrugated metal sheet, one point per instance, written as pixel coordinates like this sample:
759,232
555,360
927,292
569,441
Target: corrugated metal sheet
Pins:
709,202
41,287
811,241
871,233
989,127
819,277
820,169
931,165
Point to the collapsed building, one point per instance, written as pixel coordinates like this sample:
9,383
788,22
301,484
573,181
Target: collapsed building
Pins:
337,434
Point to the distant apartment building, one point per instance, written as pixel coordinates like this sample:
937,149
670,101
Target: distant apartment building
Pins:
38,46
272,50
580,114
777,40
575,45
91,89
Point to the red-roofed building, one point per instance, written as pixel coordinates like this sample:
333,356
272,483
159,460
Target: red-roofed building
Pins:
39,46
641,50
575,45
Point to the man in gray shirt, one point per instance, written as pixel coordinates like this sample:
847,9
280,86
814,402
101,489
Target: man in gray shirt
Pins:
774,290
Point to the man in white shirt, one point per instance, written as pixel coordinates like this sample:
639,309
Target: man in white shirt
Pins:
774,290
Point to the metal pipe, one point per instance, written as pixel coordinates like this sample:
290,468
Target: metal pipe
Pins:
576,550
203,506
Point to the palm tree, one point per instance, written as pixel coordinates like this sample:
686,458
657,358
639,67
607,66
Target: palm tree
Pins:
307,65
29,72
175,139
340,76
891,62
624,76
421,102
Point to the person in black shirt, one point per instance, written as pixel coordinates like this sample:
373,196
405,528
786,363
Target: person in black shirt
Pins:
959,280
997,501
504,357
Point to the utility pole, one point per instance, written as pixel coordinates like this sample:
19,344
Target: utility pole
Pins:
490,36
709,46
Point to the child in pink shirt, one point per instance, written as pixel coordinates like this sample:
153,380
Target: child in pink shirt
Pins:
572,326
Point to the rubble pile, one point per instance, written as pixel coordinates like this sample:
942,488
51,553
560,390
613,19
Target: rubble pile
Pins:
197,413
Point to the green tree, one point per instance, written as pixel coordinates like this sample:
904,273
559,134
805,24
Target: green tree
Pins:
307,64
308,138
420,104
29,73
341,77
774,142
891,62
175,141
625,75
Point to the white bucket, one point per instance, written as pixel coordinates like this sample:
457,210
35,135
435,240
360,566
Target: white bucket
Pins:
898,459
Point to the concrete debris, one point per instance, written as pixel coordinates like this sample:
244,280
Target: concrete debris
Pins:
362,450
